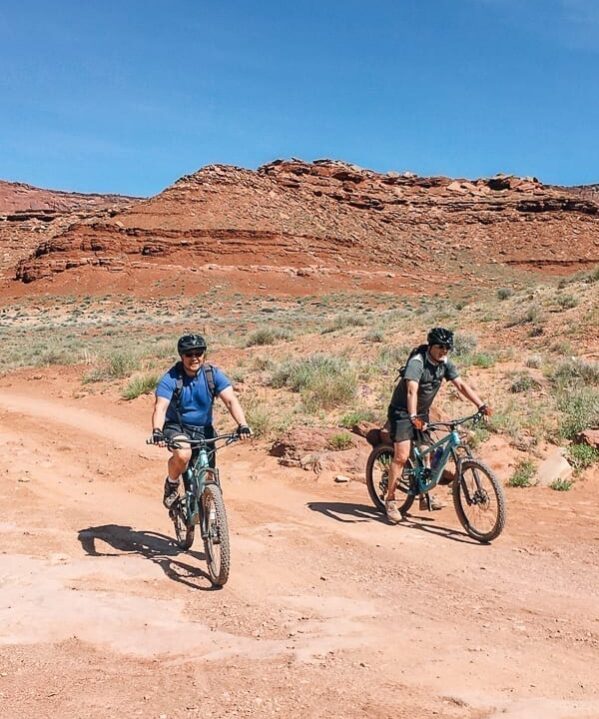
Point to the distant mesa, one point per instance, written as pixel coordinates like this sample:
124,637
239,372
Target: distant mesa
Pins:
302,218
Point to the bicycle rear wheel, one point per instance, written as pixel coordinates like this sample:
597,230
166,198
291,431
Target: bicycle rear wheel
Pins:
377,479
216,535
183,531
479,501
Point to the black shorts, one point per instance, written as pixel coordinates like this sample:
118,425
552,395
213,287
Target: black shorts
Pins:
174,429
401,428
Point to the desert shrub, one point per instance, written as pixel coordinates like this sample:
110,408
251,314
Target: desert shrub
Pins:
534,361
522,382
324,381
523,474
484,360
477,436
121,364
576,371
355,416
267,336
375,335
582,456
144,384
504,292
340,322
580,409
561,485
532,315
464,343
341,441
567,302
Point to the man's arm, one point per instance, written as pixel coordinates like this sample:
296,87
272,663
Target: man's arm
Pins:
467,391
159,414
231,402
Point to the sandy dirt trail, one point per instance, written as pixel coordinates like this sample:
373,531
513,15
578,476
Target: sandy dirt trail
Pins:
329,612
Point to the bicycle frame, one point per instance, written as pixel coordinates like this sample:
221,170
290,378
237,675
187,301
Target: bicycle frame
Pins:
195,479
425,477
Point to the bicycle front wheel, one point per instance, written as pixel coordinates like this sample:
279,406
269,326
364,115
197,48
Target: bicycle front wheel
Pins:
216,535
479,501
377,479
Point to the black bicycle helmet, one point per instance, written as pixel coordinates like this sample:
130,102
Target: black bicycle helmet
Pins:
440,336
188,343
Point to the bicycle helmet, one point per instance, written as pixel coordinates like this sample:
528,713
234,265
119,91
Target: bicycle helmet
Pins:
188,343
440,336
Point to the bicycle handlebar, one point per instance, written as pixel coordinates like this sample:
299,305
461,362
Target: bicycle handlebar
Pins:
453,423
229,437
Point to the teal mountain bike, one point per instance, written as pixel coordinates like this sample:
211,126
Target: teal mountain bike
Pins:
203,506
478,497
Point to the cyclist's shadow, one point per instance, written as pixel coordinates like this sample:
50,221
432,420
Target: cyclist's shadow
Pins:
159,548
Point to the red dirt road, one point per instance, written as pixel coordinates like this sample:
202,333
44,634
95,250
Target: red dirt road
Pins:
329,612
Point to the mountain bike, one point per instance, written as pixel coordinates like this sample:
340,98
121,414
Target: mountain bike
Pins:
203,505
478,497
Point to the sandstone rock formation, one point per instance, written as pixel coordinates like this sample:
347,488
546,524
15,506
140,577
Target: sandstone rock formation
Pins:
30,215
329,216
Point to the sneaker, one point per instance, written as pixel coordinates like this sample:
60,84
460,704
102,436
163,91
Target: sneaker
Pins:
393,513
171,493
435,503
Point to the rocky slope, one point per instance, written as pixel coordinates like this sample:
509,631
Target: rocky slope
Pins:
30,215
328,216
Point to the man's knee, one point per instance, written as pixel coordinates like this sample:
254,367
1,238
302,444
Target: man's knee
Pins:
401,452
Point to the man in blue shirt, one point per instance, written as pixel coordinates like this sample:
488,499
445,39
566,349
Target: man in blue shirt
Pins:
183,407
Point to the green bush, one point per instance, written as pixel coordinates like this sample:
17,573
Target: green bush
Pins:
534,361
144,384
354,417
561,485
341,441
576,371
464,343
324,381
567,302
483,360
121,364
267,336
523,474
340,322
580,409
582,456
504,292
522,382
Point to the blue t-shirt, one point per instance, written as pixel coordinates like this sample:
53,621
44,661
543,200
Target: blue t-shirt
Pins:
195,402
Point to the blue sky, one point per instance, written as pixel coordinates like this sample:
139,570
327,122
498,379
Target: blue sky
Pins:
128,96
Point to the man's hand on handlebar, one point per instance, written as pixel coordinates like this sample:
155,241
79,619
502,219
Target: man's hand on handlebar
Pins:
158,437
485,410
418,423
244,432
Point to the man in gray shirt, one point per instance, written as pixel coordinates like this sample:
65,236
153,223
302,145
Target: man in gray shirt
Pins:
411,402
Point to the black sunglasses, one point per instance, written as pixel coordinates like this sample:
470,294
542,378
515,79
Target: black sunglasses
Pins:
444,347
193,354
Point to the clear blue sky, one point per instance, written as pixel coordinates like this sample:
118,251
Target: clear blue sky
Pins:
128,96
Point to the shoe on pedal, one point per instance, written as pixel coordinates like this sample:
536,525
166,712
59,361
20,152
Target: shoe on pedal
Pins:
392,511
171,493
435,503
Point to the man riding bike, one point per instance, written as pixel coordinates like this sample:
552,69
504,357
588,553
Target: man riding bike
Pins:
183,407
412,398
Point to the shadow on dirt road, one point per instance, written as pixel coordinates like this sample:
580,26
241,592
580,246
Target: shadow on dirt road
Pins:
153,546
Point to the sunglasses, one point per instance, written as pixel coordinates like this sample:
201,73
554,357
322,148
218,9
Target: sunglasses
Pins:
447,348
189,355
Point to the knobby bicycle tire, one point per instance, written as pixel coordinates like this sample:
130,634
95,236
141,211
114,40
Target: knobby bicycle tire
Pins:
183,531
478,493
377,469
216,541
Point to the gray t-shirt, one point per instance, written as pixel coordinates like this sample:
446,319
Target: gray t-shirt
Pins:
429,377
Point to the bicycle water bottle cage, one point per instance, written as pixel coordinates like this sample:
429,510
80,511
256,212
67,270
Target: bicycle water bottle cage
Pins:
455,438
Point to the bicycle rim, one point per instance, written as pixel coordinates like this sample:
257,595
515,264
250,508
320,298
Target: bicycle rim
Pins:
216,535
479,501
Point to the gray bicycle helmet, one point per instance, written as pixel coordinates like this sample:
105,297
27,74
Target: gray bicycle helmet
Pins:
188,343
440,336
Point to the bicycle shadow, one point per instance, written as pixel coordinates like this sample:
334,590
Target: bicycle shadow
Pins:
367,513
158,548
